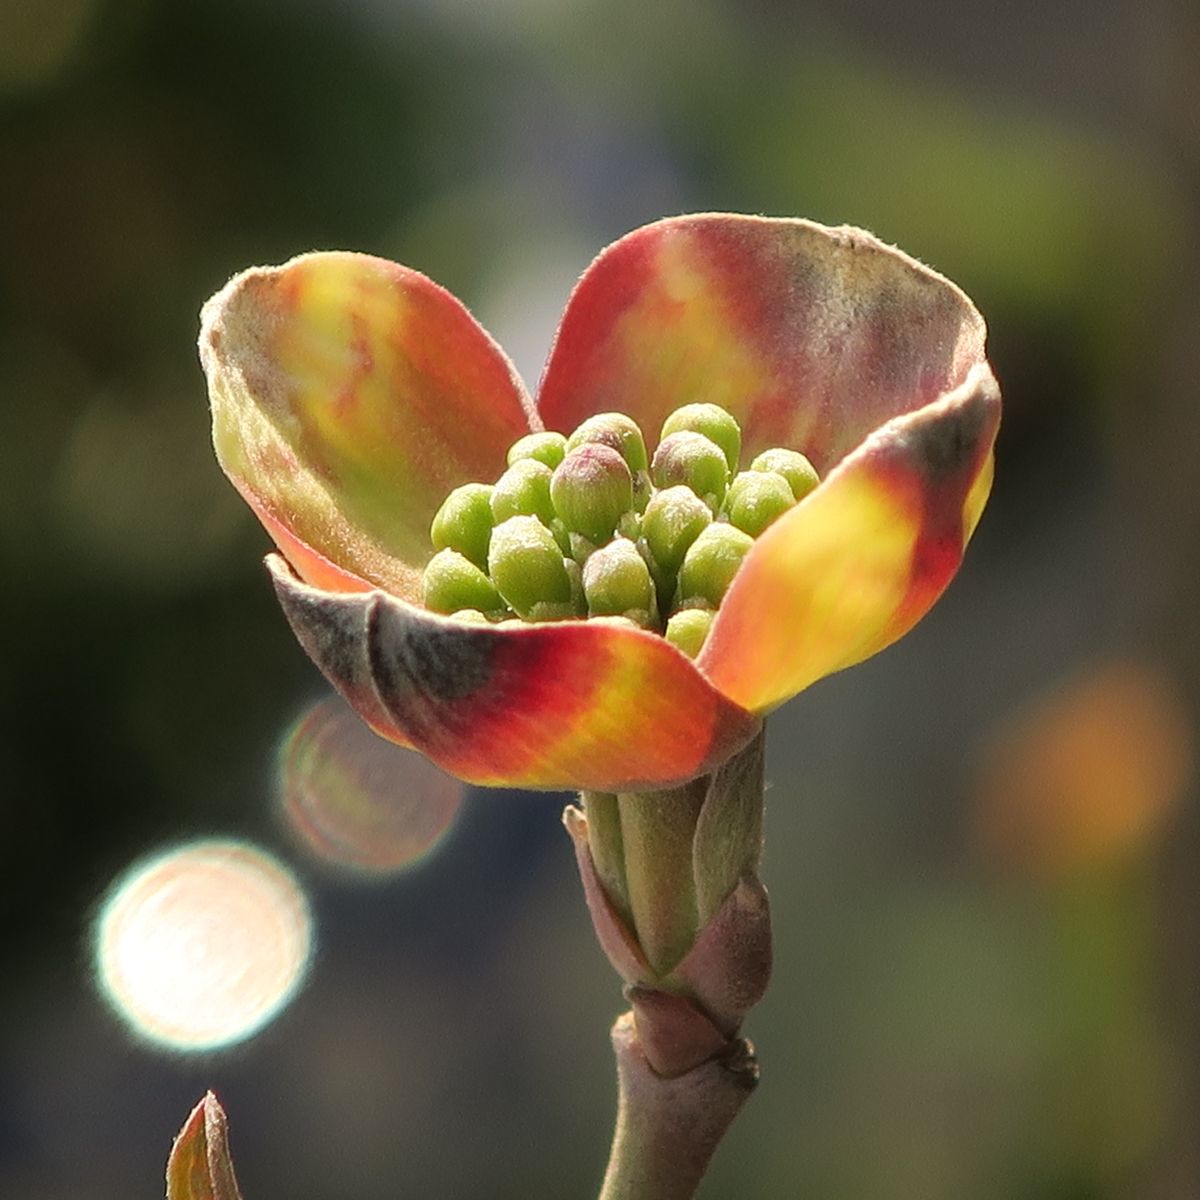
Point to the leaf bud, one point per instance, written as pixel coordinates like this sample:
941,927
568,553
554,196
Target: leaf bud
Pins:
692,460
709,566
714,423
526,565
800,474
464,522
549,448
756,498
200,1165
591,489
452,582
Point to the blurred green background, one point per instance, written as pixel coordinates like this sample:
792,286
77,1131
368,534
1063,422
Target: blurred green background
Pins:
982,846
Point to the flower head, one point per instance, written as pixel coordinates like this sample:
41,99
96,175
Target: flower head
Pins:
357,406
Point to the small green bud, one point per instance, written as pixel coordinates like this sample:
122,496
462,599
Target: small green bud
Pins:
621,622
591,489
616,582
756,498
688,628
552,610
523,491
616,431
526,565
714,422
630,525
575,576
709,566
562,535
464,522
793,466
692,460
673,520
470,616
548,448
452,582
580,549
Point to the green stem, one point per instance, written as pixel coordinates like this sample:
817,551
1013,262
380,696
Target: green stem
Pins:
657,831
672,887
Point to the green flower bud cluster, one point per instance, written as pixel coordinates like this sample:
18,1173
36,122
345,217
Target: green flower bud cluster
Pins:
591,526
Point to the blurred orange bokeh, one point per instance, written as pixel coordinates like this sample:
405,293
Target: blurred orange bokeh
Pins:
1088,772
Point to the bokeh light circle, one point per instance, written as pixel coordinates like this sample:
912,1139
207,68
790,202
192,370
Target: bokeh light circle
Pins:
1087,773
357,802
199,947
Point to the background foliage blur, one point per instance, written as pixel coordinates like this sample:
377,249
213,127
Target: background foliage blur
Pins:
982,846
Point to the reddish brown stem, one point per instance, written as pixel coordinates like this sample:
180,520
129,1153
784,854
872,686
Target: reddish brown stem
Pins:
668,1128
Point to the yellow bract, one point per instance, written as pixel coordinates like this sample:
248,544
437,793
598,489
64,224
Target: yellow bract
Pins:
817,593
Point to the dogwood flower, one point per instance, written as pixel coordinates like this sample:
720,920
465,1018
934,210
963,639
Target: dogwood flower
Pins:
364,416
